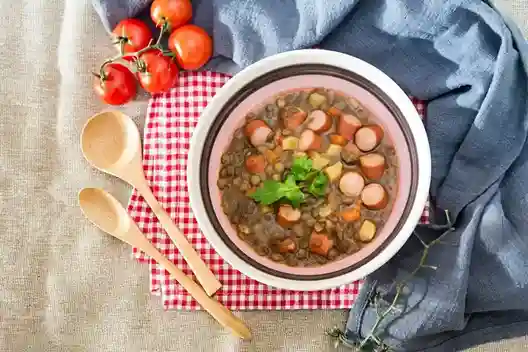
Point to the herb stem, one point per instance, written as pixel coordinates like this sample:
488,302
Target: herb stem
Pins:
372,341
300,181
401,285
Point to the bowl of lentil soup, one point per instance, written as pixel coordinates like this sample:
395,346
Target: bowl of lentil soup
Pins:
309,170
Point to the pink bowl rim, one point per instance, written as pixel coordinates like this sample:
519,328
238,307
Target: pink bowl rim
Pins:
338,61
257,94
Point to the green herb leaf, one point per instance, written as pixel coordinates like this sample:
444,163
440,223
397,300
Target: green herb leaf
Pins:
301,168
310,176
295,196
272,191
293,193
290,180
317,186
301,177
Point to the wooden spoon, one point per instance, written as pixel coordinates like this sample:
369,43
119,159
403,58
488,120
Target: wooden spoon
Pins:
105,212
110,142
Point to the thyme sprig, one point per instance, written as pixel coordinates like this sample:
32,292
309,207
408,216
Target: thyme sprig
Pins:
372,342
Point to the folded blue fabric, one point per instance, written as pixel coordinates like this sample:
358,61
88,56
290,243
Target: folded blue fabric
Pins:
470,64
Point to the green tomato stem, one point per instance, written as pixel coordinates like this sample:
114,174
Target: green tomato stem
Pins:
121,40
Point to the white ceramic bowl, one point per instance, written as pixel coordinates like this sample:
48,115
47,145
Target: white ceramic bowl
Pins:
297,70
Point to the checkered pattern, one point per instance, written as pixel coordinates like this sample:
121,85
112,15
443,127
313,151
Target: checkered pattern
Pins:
171,118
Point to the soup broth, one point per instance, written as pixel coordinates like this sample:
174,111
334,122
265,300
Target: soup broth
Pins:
309,178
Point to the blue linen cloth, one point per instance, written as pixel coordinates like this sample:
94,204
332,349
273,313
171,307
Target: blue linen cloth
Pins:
470,64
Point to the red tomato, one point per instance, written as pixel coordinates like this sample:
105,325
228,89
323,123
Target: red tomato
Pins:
133,34
174,12
192,45
117,86
156,73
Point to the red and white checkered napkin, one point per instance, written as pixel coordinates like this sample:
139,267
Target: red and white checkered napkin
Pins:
171,118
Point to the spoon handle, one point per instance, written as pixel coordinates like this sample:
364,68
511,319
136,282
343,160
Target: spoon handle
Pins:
223,315
204,275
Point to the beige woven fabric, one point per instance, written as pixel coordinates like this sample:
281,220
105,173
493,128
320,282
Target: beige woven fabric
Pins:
64,286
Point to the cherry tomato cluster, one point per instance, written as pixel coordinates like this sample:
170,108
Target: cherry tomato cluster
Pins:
140,58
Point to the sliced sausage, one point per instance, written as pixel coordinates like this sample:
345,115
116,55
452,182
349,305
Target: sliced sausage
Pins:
319,121
367,231
348,125
287,216
338,139
367,138
374,196
310,141
258,132
351,184
292,119
320,243
372,165
255,164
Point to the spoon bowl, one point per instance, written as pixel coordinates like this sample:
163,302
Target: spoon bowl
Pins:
105,212
110,142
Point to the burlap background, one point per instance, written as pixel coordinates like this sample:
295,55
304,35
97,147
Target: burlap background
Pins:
63,285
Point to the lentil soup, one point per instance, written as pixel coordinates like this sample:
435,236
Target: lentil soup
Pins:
310,178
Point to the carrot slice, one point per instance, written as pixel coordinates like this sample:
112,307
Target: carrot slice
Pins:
338,139
255,164
287,246
271,156
334,112
320,243
352,214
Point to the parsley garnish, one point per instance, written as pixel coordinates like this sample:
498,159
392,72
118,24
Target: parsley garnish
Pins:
300,177
301,168
318,185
